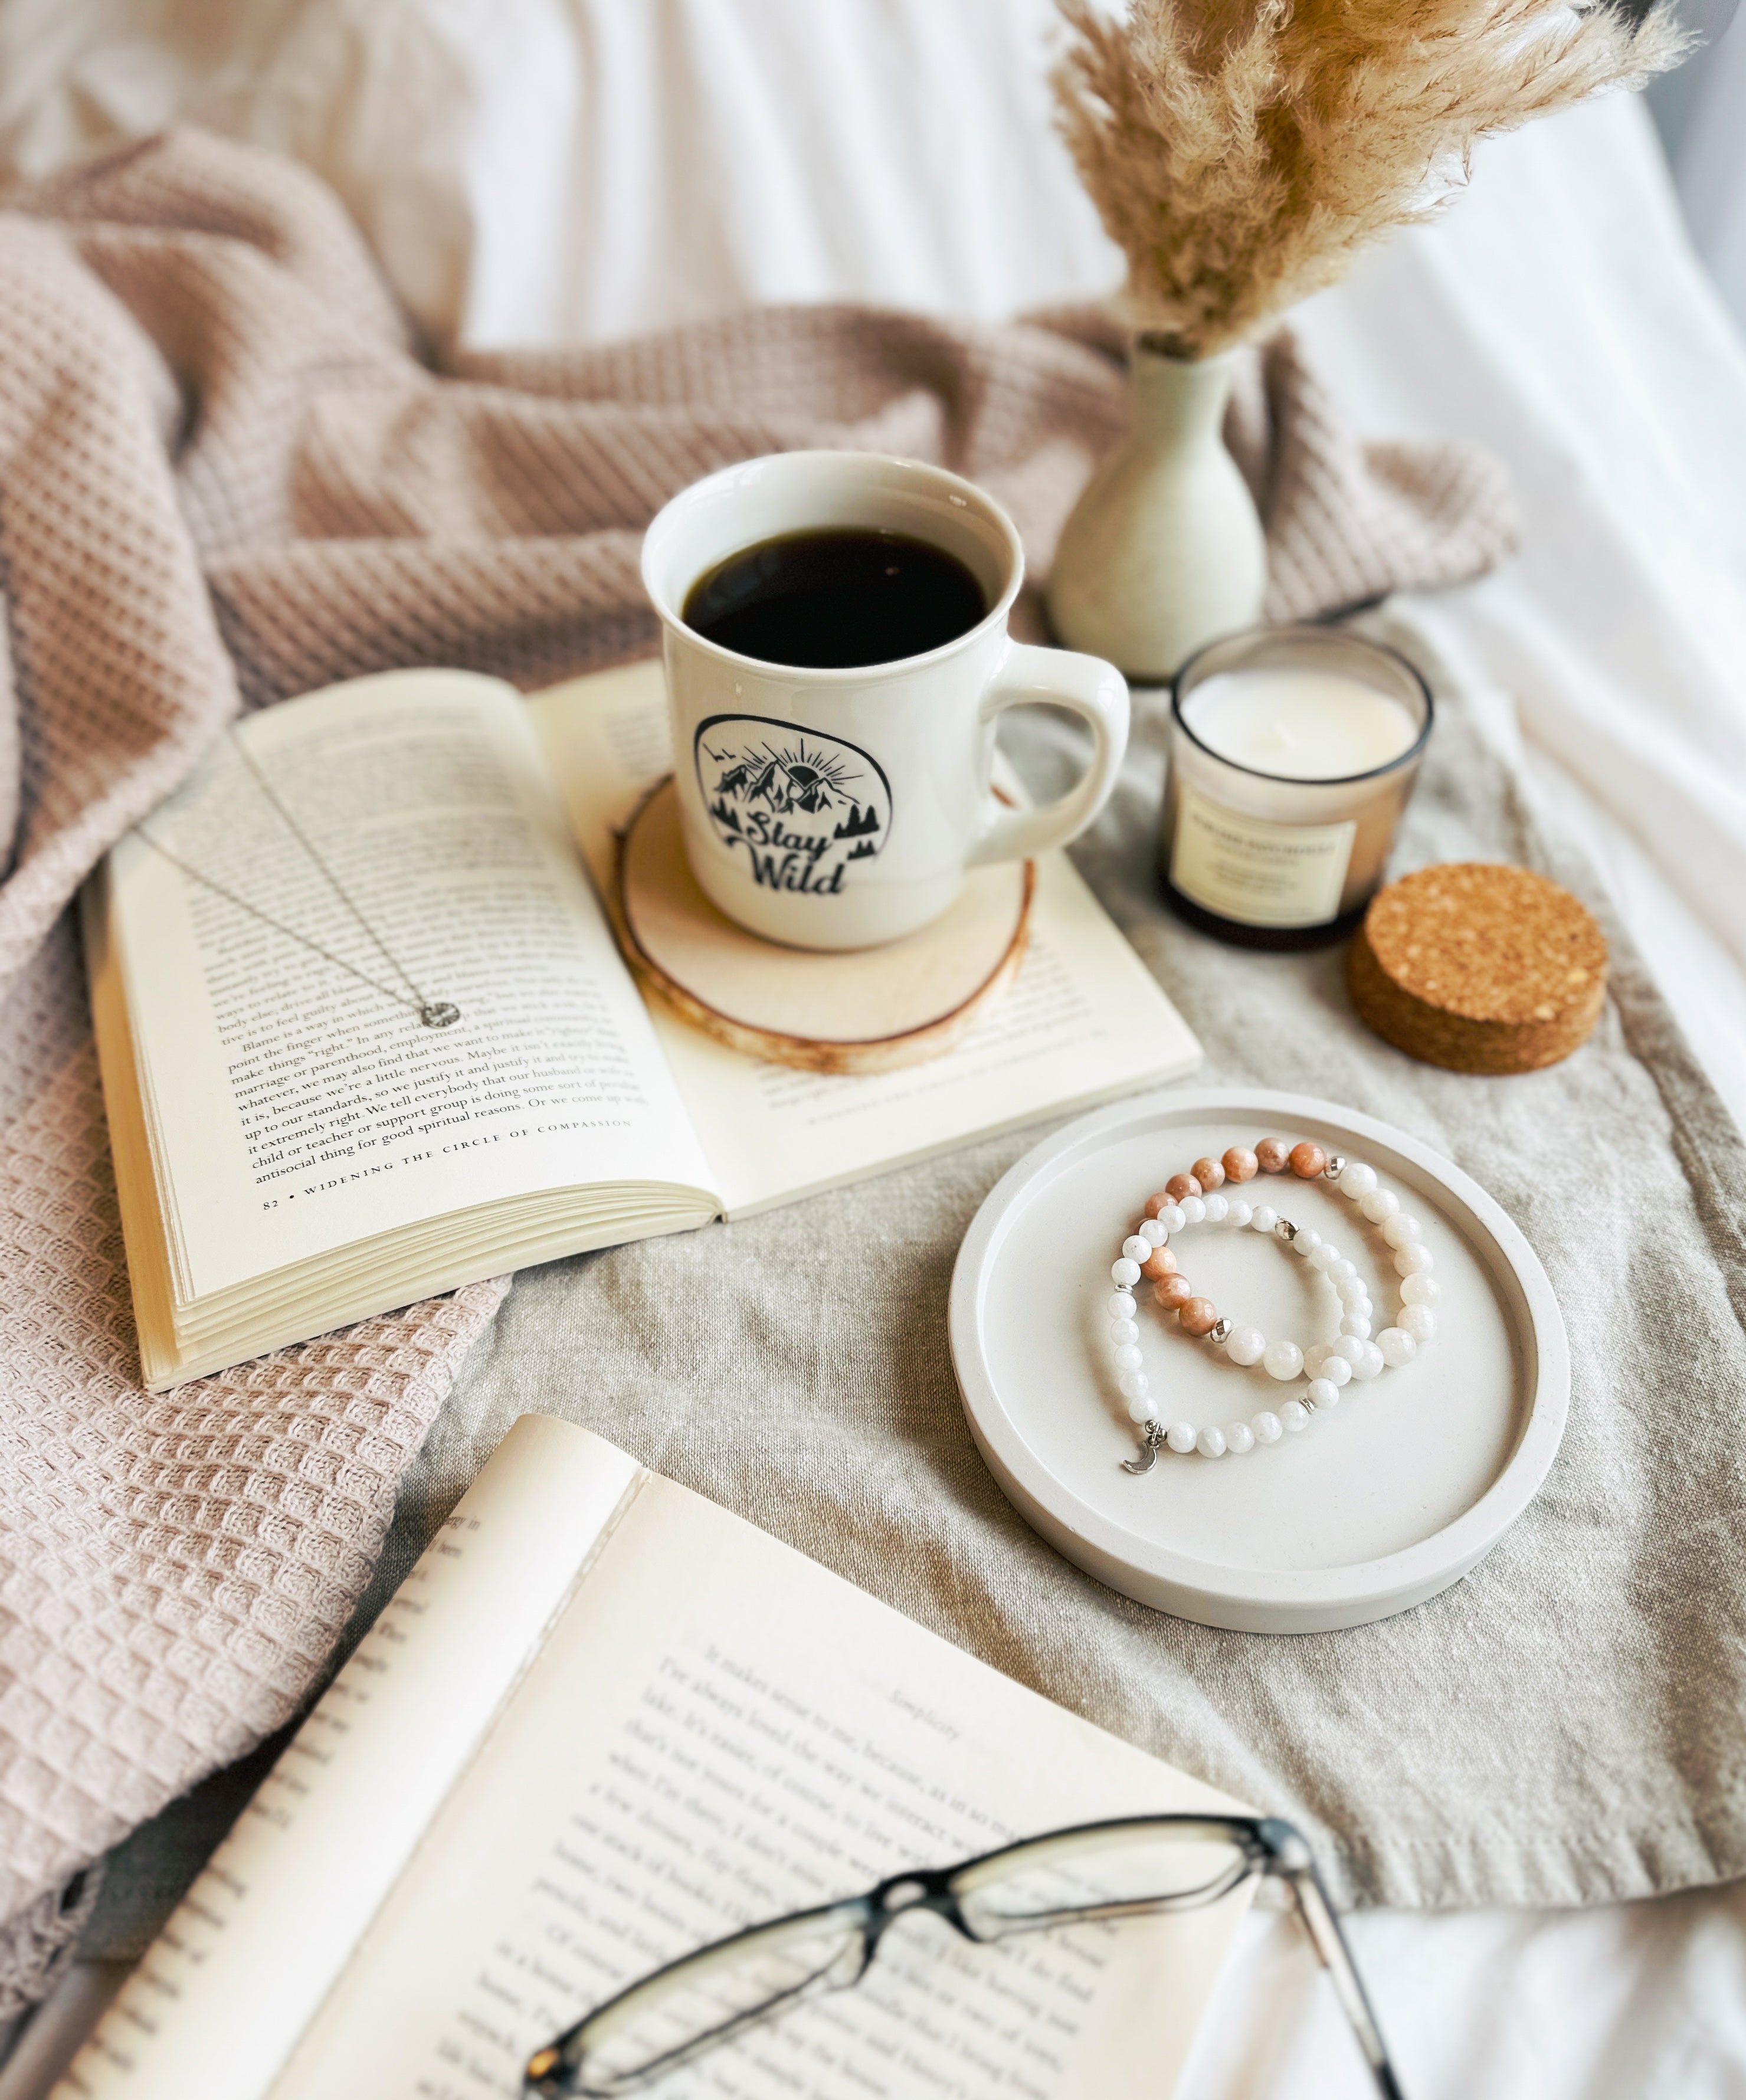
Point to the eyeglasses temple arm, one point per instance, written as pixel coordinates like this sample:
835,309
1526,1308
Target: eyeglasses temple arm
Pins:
1323,1925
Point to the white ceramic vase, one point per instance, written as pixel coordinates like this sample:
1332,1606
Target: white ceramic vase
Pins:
1164,550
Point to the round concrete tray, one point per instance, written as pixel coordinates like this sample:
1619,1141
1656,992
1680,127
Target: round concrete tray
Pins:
1370,1510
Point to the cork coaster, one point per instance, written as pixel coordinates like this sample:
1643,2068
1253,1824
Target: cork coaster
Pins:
1478,966
871,1010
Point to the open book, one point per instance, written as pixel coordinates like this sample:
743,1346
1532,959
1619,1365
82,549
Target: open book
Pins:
603,1722
294,1149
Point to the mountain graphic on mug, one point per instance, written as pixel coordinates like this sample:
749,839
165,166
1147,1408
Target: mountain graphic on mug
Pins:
800,805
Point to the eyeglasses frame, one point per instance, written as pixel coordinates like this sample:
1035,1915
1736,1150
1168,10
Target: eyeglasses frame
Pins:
1270,1848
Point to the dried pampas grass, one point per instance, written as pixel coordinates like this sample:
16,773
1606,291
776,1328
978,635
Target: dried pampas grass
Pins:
1241,151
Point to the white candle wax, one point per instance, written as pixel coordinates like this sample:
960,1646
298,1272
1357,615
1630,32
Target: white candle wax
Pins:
1299,723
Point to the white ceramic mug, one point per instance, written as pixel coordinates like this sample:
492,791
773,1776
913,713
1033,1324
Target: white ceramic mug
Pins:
837,808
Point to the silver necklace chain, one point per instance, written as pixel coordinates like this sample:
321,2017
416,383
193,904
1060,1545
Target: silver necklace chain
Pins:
433,1013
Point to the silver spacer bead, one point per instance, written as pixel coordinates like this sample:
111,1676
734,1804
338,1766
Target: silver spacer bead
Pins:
1336,1166
1219,1331
1286,1230
1306,1403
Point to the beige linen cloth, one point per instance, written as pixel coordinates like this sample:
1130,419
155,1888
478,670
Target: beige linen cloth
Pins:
227,475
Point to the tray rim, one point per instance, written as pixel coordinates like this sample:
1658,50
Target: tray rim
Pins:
1254,1600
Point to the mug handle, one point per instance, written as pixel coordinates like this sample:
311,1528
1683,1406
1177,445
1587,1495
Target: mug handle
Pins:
1089,687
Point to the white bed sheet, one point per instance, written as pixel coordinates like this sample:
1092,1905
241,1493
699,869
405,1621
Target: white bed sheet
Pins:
549,171
1630,2001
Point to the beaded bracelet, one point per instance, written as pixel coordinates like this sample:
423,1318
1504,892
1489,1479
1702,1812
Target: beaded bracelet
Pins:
1192,1199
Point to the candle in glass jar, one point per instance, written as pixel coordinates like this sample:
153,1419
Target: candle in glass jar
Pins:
1299,722
1293,750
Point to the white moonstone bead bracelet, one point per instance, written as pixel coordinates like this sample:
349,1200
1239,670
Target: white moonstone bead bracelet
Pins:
1355,1351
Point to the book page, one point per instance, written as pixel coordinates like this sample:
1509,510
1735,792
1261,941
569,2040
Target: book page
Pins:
277,942
219,2001
719,1730
1085,1021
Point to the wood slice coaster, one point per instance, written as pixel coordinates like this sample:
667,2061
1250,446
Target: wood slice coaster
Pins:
1479,968
870,1010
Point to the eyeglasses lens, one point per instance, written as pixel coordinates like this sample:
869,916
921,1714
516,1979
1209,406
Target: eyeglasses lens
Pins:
1097,1870
669,2016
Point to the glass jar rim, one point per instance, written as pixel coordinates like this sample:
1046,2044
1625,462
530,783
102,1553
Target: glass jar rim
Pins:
1317,636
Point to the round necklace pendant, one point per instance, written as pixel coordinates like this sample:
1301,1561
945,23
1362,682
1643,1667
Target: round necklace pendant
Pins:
438,1013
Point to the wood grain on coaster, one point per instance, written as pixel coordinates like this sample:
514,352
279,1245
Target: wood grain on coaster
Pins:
868,1010
1478,966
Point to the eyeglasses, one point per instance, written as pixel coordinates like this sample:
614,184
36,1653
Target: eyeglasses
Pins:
1135,1868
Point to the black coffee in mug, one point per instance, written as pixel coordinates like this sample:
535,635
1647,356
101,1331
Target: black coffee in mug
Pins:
835,598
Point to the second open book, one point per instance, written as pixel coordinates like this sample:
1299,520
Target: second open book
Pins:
294,1151
603,1722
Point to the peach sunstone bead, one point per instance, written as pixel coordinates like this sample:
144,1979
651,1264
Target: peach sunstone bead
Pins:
1158,1204
1199,1316
1240,1164
1272,1155
1170,1292
1209,1173
1307,1160
1162,1263
1180,1185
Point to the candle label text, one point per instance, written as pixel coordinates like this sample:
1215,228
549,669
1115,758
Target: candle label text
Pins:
1257,873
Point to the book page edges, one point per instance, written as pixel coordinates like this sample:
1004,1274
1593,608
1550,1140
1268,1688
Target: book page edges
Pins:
241,1338
220,2001
137,1185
